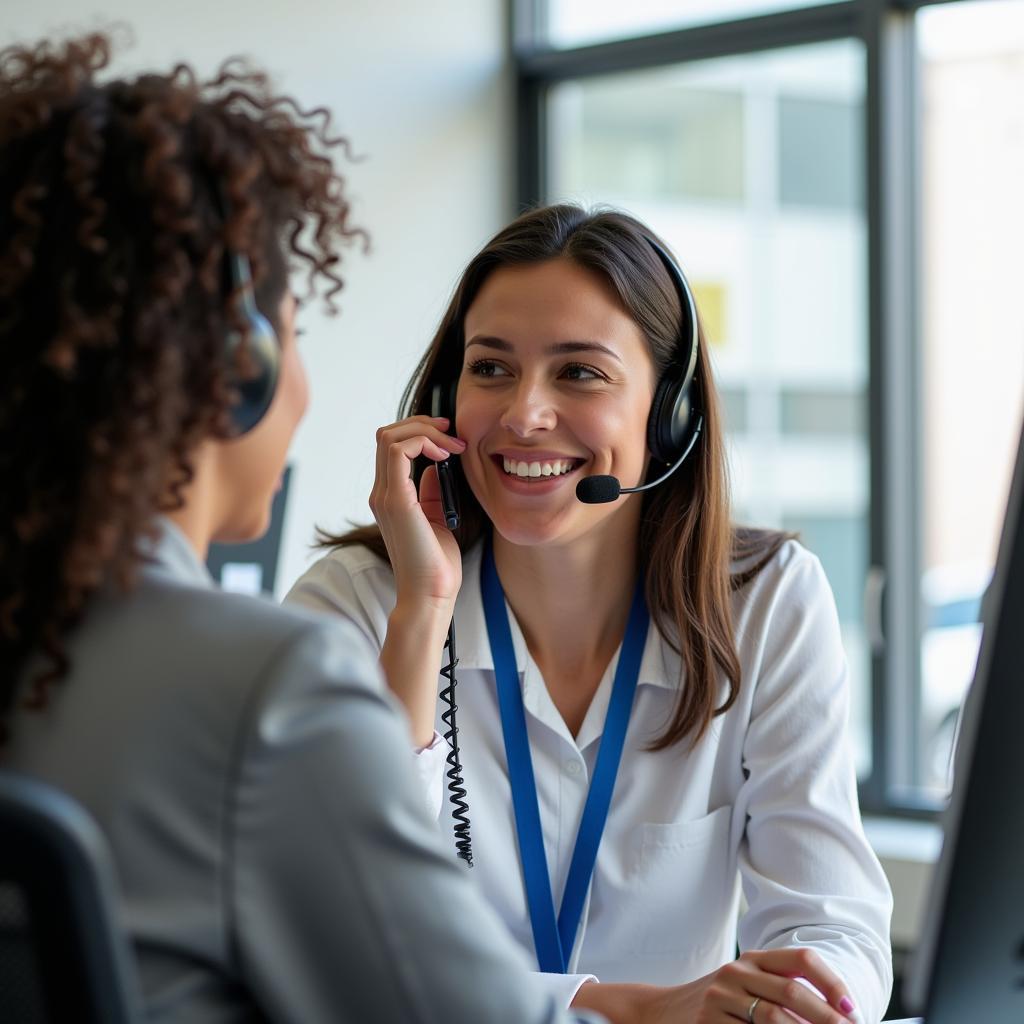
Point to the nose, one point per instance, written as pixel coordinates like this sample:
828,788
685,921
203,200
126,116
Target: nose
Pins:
529,409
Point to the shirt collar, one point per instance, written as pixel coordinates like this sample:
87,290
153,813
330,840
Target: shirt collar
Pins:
171,554
660,665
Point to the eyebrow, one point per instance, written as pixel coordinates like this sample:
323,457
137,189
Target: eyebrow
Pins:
559,348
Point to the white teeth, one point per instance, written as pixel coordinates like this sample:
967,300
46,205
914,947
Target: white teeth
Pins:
531,470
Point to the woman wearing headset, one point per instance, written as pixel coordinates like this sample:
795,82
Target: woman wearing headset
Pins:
652,702
275,858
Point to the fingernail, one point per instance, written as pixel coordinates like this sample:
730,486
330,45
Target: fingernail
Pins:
459,443
846,1005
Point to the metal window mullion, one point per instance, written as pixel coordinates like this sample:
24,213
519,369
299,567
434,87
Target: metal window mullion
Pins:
916,5
527,24
894,356
531,142
701,42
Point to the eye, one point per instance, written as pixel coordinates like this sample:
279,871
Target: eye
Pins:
486,368
579,371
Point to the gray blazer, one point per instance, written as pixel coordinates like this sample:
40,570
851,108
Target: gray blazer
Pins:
275,853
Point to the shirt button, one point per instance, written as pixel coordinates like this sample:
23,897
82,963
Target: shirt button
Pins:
573,767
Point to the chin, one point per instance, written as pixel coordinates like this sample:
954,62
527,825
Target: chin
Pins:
528,532
244,530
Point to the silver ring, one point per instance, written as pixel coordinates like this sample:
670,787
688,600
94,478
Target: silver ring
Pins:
750,1012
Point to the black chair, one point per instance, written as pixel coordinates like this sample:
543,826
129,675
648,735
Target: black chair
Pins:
62,956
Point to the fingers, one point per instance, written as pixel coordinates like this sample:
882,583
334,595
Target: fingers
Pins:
430,427
771,977
430,497
782,1001
398,444
393,488
806,963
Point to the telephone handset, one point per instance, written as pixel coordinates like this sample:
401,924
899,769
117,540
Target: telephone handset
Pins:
448,501
442,404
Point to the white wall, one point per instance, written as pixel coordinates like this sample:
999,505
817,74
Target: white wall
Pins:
422,90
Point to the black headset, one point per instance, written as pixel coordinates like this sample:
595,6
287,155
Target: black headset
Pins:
675,419
256,390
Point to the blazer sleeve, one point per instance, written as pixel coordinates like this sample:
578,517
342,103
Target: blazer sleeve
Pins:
349,583
341,904
809,876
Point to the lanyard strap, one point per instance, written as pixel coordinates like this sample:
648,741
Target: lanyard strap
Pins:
553,939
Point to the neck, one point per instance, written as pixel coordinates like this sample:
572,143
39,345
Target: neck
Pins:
572,600
196,517
189,522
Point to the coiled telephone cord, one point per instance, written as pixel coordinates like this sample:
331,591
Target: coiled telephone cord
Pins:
456,789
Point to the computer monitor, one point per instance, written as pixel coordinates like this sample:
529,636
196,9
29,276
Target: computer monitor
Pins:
969,965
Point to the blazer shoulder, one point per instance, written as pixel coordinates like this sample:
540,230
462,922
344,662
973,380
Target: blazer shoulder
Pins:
242,635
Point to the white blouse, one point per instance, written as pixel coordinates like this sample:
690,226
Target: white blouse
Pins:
767,800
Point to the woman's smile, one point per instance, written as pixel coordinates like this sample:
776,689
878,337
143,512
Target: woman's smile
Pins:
537,473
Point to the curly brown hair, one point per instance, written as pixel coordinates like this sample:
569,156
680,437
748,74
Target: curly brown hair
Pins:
120,200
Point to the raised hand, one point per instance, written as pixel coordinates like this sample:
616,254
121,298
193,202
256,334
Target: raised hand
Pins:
425,559
424,555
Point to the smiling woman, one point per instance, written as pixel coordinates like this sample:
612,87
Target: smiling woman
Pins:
662,715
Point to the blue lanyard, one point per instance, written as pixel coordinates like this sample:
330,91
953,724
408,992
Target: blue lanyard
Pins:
553,939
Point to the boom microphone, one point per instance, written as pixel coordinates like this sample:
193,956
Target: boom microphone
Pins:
596,490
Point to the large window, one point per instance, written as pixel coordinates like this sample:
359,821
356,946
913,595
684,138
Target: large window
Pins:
751,169
843,185
972,332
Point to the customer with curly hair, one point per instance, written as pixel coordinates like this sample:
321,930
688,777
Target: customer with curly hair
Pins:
276,858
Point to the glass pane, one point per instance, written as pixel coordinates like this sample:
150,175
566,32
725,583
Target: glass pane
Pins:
972,81
579,22
712,155
819,153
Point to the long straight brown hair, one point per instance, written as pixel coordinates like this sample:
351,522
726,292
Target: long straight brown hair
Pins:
687,542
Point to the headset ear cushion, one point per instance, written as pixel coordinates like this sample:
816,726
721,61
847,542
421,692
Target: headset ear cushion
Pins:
669,420
256,392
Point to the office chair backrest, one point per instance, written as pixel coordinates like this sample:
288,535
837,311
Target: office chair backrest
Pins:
62,955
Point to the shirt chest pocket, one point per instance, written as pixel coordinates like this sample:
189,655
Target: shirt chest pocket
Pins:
683,880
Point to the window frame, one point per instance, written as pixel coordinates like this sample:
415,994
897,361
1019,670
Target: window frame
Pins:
892,166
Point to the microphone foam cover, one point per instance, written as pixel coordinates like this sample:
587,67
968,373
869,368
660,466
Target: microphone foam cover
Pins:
596,490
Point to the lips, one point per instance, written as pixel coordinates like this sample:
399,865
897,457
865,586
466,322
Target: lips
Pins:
535,474
535,467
